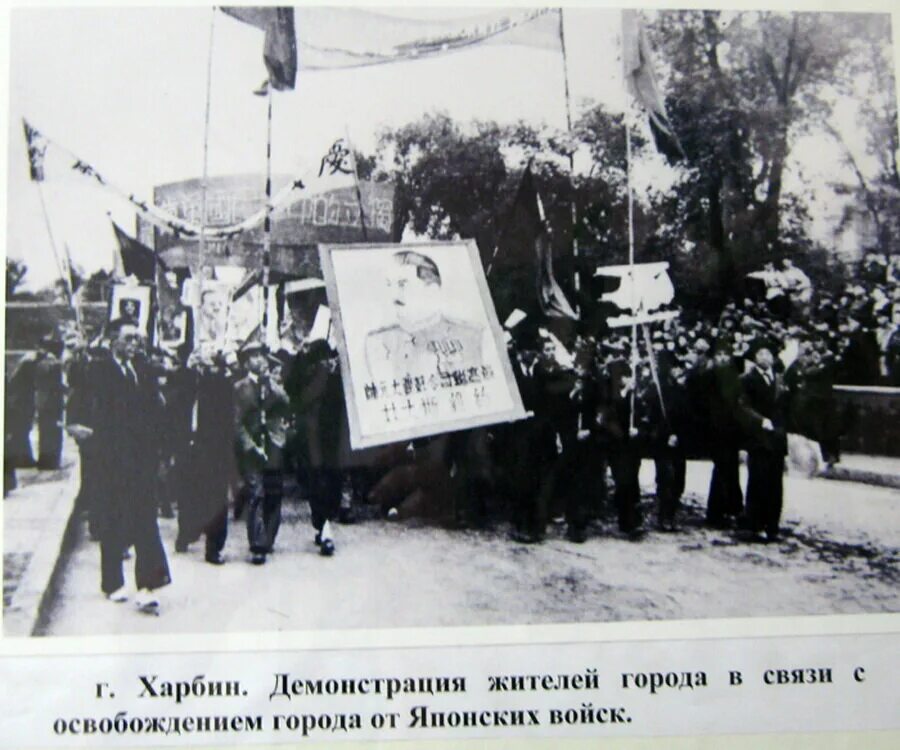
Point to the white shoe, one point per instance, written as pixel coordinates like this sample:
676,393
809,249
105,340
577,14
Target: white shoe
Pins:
326,541
146,601
118,596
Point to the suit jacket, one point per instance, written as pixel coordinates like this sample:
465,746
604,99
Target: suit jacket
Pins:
723,398
762,400
124,416
260,422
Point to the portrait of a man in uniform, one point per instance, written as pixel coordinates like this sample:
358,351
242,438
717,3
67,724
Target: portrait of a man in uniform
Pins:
423,340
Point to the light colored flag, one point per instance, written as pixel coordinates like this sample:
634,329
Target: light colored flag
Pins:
332,38
643,289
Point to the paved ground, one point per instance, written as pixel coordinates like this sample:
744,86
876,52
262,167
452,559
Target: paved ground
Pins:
839,554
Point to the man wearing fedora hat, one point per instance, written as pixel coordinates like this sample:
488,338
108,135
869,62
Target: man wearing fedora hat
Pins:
762,412
261,408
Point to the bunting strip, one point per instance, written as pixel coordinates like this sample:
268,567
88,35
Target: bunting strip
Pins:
163,220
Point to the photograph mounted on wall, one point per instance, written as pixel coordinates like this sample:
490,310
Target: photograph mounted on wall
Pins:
331,319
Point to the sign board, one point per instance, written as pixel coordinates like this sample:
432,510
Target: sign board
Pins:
132,304
320,216
420,346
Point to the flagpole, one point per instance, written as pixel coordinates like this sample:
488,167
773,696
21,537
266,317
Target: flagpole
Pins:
75,306
201,246
65,273
359,200
267,222
573,209
634,338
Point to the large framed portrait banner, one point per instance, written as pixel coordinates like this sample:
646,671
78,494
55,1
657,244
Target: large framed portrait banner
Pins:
420,345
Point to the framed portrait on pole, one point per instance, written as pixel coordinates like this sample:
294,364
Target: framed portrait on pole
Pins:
421,348
131,303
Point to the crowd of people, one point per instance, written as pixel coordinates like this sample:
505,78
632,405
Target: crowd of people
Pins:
216,435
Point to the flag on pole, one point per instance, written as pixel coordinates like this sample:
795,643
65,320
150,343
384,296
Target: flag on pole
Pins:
280,44
37,147
137,259
641,82
525,245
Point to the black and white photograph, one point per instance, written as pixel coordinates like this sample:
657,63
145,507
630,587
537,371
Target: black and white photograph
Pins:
448,317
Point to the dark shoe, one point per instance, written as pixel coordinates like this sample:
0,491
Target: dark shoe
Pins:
215,559
576,534
258,558
326,548
181,547
635,534
346,516
749,536
526,537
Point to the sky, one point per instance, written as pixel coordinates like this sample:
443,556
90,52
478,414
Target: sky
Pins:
125,89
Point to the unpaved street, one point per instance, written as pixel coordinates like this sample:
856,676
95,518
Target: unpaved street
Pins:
839,554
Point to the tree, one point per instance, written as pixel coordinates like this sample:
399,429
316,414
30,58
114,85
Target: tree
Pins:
454,181
742,86
16,271
868,74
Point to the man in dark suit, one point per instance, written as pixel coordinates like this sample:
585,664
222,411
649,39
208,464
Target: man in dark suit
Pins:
722,387
523,450
669,427
204,467
317,404
762,414
260,410
621,439
119,422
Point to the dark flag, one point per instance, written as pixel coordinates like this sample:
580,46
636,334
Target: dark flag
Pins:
252,277
643,87
37,147
137,259
523,262
280,45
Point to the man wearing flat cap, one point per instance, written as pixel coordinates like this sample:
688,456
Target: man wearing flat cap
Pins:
261,410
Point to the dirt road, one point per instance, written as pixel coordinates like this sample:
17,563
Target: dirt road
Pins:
839,554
